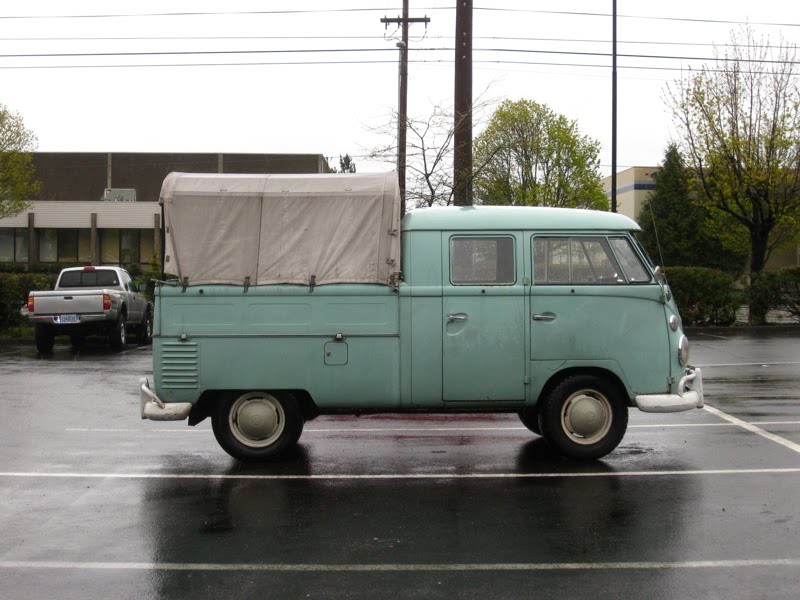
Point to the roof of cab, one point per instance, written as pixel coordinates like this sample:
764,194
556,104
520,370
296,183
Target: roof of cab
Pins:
515,217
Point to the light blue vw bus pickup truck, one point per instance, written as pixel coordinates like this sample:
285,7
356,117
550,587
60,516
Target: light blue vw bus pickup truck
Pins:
293,296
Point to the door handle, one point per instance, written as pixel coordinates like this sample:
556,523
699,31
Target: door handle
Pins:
544,317
456,317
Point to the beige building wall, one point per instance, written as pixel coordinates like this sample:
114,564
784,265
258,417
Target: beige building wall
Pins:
633,187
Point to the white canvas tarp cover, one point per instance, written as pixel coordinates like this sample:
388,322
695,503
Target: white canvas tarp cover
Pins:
301,229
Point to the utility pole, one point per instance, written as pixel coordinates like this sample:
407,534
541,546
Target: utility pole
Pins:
402,100
462,133
614,108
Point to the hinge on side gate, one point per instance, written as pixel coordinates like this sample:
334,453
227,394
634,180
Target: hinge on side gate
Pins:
312,283
184,284
246,284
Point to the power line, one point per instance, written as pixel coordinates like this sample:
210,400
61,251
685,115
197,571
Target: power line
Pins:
382,50
391,9
374,37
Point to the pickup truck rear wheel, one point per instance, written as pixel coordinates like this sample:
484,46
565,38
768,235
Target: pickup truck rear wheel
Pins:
118,336
144,333
257,426
584,417
44,338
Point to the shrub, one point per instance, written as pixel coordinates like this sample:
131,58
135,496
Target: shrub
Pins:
14,288
704,297
787,282
764,294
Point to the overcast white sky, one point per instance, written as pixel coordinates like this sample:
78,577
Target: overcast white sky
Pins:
62,66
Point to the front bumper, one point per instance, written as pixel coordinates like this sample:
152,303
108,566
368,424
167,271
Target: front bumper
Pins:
155,409
690,395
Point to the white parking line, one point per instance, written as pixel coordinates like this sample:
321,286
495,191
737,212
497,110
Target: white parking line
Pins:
398,476
412,567
753,429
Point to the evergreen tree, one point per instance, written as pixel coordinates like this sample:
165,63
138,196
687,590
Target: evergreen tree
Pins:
675,230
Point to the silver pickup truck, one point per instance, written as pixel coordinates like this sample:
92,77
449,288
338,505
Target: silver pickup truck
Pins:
90,301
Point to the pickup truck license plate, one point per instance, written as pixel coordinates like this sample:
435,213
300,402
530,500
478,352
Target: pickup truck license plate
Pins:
68,319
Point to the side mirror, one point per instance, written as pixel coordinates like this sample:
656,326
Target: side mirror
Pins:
661,278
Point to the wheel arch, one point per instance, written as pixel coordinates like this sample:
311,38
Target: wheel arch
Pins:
601,373
204,407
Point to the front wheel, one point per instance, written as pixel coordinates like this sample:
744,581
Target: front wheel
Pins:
584,417
257,426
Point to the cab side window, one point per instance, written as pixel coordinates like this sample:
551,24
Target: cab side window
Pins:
482,260
574,261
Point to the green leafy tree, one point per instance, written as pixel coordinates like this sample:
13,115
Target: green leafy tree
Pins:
739,122
346,164
677,231
17,182
529,155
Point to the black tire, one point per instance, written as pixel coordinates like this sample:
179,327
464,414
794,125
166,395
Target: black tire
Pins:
144,333
44,339
530,418
118,336
274,424
584,417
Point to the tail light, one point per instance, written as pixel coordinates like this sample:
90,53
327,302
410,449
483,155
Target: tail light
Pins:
106,302
30,304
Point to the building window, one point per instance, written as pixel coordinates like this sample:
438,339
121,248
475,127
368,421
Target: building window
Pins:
147,249
67,245
48,245
85,254
126,246
109,246
129,246
21,245
6,245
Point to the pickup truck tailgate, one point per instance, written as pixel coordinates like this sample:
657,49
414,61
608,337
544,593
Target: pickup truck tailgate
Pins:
61,303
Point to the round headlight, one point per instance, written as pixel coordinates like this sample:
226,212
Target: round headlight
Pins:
683,350
674,322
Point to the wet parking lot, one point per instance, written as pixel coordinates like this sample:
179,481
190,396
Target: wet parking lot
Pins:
95,503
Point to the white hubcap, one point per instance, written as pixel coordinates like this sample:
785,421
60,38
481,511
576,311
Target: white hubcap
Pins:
586,417
257,419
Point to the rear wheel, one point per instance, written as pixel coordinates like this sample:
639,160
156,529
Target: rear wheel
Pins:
44,339
257,426
530,418
144,333
118,336
584,417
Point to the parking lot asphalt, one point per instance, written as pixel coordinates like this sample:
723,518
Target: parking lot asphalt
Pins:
95,503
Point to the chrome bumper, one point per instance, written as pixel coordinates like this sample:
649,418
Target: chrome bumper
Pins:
690,395
155,409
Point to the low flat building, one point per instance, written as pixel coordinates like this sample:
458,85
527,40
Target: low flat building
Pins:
102,208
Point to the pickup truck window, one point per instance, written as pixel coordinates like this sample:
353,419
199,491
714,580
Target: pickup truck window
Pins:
574,261
88,279
482,260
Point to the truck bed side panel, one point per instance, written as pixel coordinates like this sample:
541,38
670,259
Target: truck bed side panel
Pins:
280,337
